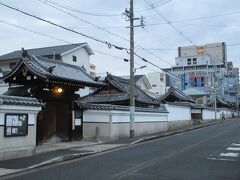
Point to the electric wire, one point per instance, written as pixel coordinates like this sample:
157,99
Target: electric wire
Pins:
62,40
83,12
83,20
63,27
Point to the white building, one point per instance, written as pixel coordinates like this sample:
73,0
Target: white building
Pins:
74,54
158,83
217,52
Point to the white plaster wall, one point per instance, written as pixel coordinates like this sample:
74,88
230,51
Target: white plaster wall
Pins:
112,125
227,112
29,140
208,114
20,146
178,113
122,116
83,58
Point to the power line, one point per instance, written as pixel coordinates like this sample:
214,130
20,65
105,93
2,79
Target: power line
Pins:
181,21
206,17
153,53
210,25
83,12
173,27
52,37
169,23
155,5
83,20
32,31
36,17
174,49
65,28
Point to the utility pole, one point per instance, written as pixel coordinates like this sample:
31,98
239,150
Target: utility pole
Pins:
129,15
237,101
132,83
215,91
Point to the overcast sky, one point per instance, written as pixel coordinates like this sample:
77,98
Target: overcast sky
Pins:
202,21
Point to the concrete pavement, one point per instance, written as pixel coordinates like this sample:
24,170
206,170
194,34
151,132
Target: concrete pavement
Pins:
53,153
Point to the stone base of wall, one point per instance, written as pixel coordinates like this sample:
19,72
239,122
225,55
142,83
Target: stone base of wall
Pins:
173,125
112,131
15,153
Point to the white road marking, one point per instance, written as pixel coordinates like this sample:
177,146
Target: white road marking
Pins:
233,149
229,154
235,144
221,159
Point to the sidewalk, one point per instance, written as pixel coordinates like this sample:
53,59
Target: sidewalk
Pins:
52,153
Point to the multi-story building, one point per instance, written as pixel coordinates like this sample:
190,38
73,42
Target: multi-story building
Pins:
203,68
158,83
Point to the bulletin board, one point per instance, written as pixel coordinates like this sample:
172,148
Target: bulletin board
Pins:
16,125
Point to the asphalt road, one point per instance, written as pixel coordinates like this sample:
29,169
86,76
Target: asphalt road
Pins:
210,153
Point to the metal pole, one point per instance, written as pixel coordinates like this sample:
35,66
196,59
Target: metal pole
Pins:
132,83
215,103
237,102
215,91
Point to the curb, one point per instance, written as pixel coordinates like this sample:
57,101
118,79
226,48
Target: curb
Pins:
177,132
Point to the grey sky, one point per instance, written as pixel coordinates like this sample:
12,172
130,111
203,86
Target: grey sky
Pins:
223,28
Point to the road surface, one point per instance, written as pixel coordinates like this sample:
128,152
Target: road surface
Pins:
210,153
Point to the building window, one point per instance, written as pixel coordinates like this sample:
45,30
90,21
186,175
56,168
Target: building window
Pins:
12,65
74,58
232,93
16,125
189,61
194,61
154,85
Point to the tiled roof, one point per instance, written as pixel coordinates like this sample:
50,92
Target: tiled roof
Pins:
187,104
98,98
41,66
177,94
21,101
123,86
162,109
45,51
220,102
136,77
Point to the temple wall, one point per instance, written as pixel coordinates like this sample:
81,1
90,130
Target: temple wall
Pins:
111,125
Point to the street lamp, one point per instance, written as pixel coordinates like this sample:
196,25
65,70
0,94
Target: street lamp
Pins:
135,69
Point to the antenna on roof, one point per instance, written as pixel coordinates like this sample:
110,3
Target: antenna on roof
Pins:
24,53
